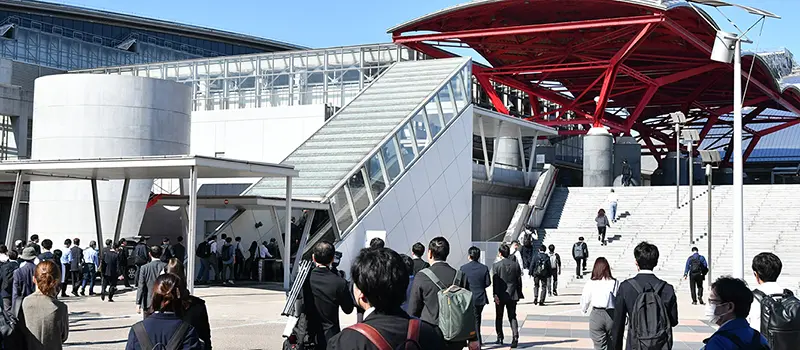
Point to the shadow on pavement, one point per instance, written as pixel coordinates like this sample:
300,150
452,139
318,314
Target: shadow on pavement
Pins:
545,343
99,342
99,328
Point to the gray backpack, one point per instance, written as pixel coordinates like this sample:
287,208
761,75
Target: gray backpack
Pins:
456,311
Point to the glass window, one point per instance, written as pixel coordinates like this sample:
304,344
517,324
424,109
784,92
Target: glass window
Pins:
420,130
375,174
344,218
434,117
405,139
458,92
358,192
446,103
389,153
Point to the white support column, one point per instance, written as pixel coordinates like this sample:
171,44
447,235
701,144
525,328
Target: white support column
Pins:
12,219
121,213
485,151
522,155
191,236
494,151
98,227
288,242
532,158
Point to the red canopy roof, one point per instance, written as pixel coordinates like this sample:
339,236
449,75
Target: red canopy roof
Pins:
644,56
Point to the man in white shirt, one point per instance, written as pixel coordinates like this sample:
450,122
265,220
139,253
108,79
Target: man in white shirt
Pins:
766,267
90,266
612,204
213,259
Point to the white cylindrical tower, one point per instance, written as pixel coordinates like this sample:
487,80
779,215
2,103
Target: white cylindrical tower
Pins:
98,116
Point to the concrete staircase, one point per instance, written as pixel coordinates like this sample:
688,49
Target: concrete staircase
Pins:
649,214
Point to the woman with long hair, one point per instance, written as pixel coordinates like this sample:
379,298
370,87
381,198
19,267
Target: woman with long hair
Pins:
44,319
194,308
602,223
598,294
165,323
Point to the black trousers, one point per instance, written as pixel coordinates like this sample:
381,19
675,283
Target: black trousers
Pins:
109,281
77,278
696,286
578,263
511,307
601,233
478,313
553,288
539,282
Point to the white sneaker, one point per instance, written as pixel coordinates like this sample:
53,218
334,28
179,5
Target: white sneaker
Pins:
230,282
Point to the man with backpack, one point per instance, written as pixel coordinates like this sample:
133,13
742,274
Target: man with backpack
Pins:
141,256
540,270
381,294
696,270
204,253
729,303
774,310
641,300
580,252
555,270
227,255
440,296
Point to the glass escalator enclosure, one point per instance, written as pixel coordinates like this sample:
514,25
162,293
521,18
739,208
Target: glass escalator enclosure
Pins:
446,103
377,182
389,153
358,192
407,145
341,209
434,116
420,131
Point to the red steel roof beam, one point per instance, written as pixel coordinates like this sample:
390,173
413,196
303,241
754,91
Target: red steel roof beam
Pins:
750,147
483,80
549,68
648,95
531,29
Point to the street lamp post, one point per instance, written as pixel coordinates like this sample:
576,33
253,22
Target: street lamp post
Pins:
691,136
678,118
710,158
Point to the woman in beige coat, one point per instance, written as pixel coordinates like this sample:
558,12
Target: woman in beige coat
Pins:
44,319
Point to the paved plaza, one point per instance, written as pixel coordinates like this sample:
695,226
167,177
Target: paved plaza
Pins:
248,317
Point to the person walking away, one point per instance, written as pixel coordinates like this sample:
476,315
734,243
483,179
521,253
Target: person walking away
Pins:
527,253
598,294
76,265
626,173
91,264
507,291
612,204
729,302
478,278
34,243
431,285
602,224
555,270
228,256
66,258
179,250
416,254
165,325
214,263
111,274
381,294
409,269
7,274
166,250
217,250
774,310
540,270
46,253
23,279
147,279
3,253
238,264
141,256
580,252
644,299
696,270
195,312
122,262
324,293
43,319
204,253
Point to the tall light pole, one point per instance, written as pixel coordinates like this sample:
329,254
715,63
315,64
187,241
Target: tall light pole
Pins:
728,46
690,136
710,158
678,118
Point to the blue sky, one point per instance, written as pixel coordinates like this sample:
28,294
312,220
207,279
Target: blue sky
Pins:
326,23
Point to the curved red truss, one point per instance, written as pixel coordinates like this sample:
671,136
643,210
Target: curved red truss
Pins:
642,56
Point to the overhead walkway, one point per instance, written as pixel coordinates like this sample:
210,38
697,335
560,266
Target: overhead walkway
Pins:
354,159
649,214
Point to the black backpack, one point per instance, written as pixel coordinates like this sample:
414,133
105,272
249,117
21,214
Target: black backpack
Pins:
754,344
175,342
203,250
649,325
543,267
696,267
780,319
226,253
577,250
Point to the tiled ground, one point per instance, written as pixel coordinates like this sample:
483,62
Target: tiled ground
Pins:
572,332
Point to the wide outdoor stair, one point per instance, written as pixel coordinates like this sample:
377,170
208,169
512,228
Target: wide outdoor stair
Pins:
650,214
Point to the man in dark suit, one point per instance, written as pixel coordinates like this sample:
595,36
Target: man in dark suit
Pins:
76,265
381,294
7,276
323,294
646,256
147,278
507,290
416,254
110,267
540,269
424,301
122,261
179,251
478,278
23,279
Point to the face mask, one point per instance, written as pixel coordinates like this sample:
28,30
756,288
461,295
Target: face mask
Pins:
711,313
